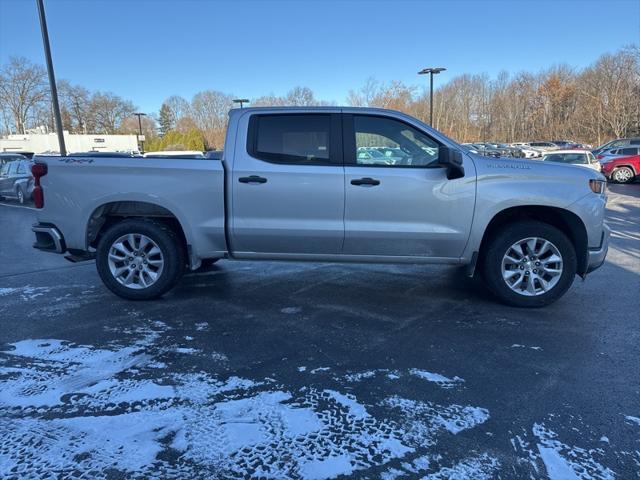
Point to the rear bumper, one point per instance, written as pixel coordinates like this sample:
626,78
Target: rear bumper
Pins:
48,238
596,256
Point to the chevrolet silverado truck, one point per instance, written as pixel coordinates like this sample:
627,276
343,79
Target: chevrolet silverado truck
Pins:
292,186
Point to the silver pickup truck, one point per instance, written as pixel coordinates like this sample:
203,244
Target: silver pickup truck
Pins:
291,186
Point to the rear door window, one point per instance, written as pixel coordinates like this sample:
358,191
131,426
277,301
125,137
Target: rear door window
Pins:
304,139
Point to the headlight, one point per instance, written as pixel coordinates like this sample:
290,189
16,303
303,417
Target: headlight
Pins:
597,186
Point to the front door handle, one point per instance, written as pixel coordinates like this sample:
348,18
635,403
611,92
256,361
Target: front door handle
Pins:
365,181
252,179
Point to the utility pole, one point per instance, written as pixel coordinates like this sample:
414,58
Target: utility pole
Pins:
140,135
431,71
52,77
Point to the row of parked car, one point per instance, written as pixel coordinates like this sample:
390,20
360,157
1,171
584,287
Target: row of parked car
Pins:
522,149
617,159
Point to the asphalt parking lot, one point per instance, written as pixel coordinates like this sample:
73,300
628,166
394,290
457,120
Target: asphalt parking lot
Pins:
316,370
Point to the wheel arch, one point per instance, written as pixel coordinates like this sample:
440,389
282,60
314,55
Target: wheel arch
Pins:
564,220
110,213
627,165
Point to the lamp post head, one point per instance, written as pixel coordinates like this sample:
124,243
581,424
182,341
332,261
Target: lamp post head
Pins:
241,101
432,70
139,114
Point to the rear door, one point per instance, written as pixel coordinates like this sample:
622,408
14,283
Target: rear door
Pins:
287,185
405,206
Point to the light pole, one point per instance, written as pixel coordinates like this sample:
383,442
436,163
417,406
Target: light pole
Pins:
140,136
52,78
241,101
431,71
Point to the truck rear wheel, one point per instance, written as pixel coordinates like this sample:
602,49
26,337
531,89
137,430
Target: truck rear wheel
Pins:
529,264
140,259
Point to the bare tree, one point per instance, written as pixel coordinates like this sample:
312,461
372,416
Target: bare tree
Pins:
107,111
130,126
74,105
23,88
210,110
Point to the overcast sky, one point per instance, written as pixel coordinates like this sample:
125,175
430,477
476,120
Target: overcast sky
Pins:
147,50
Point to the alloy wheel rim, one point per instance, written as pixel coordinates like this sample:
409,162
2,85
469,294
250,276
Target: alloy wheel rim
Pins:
135,261
532,266
20,196
623,175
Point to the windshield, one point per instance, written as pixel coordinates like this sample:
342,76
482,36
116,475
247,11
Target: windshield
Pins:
566,158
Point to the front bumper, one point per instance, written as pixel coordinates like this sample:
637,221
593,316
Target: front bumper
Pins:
596,256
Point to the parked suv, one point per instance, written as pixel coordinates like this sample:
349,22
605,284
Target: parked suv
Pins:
16,179
614,153
623,169
620,142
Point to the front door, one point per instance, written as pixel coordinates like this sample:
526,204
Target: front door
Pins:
6,181
288,186
398,201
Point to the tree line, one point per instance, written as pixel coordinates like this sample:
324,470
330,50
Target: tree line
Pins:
590,105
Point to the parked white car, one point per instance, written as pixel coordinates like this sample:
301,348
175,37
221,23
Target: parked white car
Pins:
582,158
528,150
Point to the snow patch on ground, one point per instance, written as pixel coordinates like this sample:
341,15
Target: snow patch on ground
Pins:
517,345
291,310
481,467
425,420
118,409
26,293
54,369
441,380
631,419
355,409
564,462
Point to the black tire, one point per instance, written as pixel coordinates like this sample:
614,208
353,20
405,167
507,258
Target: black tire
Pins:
623,175
173,254
491,263
20,195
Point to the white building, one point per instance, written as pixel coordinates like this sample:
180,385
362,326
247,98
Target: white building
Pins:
48,143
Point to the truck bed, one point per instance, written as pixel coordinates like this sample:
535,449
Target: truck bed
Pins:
75,188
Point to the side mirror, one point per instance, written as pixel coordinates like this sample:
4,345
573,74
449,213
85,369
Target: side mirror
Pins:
451,159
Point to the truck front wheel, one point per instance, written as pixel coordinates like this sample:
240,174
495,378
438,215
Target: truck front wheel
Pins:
140,259
529,264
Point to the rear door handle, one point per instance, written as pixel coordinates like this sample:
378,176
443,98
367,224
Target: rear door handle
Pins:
252,179
365,181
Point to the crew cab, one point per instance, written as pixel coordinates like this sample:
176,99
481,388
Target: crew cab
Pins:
291,186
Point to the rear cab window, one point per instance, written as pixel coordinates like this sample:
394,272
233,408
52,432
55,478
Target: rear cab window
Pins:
301,139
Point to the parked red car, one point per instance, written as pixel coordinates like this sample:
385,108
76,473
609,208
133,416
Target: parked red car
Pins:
622,170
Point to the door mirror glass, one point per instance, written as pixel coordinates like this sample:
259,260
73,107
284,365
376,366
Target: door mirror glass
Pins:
451,159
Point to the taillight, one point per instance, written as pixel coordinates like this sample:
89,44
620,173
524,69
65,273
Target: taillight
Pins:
38,170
